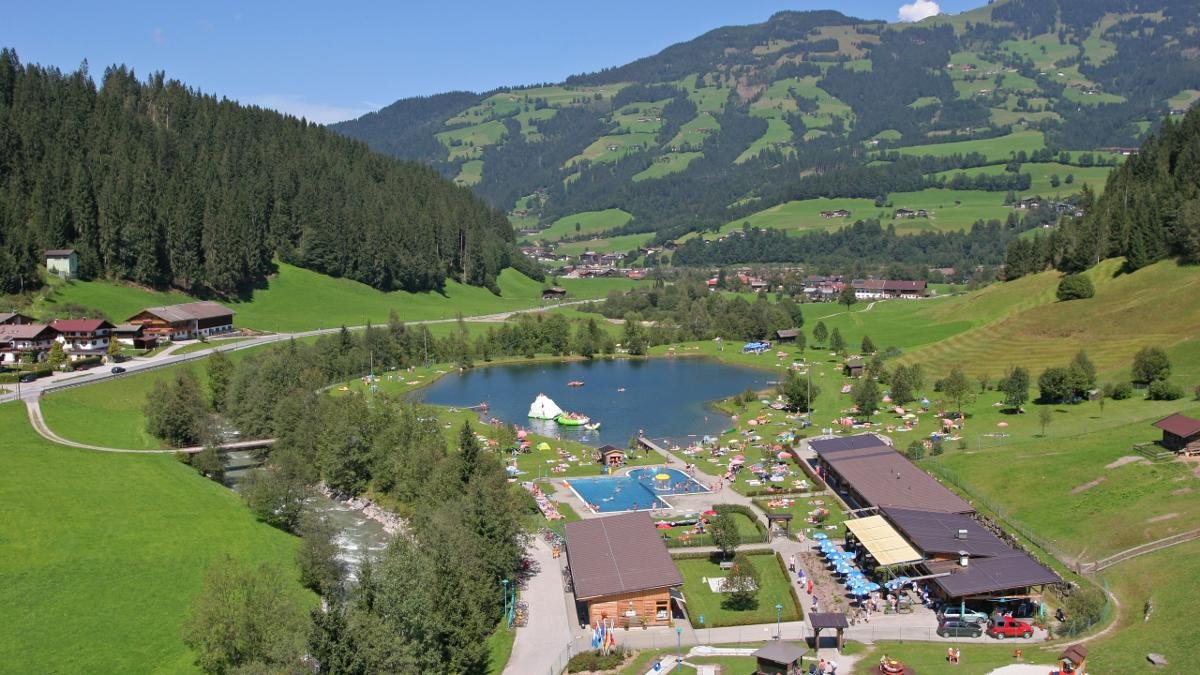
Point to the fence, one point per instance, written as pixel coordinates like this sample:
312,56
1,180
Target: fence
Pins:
1138,550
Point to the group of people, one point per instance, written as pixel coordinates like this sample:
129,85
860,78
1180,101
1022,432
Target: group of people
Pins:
824,667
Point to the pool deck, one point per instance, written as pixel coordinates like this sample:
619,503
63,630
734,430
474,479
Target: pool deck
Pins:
672,500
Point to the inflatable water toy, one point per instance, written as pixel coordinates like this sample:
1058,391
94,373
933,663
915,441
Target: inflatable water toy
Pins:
575,383
572,419
543,408
592,427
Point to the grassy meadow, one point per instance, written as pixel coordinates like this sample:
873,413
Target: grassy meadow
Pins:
590,222
296,299
103,554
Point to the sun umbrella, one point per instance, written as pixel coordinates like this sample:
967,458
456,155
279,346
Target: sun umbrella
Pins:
870,587
820,536
843,568
522,433
740,458
543,446
860,591
710,512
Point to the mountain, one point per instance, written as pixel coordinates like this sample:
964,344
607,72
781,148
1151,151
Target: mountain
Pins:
156,183
811,105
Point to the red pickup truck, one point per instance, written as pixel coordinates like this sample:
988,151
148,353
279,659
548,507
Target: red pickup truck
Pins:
1007,626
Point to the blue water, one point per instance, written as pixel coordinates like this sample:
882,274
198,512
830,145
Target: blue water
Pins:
637,490
664,398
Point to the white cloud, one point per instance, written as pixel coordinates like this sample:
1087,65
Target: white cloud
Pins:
919,9
313,112
157,35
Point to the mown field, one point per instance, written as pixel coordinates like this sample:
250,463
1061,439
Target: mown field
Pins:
297,299
103,554
590,222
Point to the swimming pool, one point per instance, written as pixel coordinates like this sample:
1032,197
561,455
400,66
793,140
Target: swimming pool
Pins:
640,489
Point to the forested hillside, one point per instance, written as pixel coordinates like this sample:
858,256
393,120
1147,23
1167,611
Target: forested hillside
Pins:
157,183
811,105
1150,210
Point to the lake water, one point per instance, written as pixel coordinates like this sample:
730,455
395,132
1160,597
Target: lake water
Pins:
664,398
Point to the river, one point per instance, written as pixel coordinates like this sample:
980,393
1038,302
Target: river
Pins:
358,536
662,397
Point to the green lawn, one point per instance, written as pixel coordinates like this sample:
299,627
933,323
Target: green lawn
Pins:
103,554
470,173
773,589
1040,173
696,131
590,222
619,244
297,299
109,413
995,149
612,148
778,133
975,659
500,646
201,346
664,165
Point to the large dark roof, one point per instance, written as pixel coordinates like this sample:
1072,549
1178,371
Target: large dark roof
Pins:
780,652
828,620
1179,425
934,532
187,311
618,554
884,477
824,446
990,575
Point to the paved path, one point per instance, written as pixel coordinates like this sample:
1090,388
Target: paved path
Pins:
540,645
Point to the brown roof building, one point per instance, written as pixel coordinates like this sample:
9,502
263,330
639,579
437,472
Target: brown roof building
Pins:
186,321
621,569
1180,433
866,471
13,319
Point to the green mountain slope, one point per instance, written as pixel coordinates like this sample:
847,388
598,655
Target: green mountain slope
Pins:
744,118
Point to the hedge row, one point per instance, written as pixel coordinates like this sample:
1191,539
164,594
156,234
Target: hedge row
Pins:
791,586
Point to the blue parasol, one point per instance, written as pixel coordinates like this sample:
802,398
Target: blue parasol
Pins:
820,536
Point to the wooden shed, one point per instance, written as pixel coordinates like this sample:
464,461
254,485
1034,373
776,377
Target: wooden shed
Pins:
787,334
853,368
554,293
610,455
779,658
1073,660
1180,433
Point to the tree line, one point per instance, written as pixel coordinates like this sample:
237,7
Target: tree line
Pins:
157,183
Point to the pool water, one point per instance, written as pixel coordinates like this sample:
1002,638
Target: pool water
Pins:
638,490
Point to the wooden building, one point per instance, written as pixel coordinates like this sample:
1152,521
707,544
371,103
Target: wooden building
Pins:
554,293
187,321
779,658
83,338
610,455
13,319
1073,660
621,570
1180,433
787,334
62,261
853,368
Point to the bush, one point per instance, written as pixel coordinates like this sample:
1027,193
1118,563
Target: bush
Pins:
1163,390
596,661
915,450
1122,391
1075,287
1150,364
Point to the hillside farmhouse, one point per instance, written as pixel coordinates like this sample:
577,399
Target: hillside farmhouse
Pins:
882,289
187,321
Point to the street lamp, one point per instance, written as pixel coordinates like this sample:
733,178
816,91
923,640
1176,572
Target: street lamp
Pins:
778,621
504,602
678,644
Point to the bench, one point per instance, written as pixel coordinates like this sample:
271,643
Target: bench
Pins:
726,564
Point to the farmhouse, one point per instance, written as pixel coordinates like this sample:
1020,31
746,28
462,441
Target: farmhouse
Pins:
838,213
1180,433
62,261
184,322
133,335
881,289
554,293
82,338
621,569
29,340
13,319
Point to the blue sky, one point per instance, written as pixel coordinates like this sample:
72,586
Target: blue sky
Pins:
330,63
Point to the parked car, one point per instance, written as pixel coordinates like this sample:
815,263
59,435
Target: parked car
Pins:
117,370
955,612
957,628
1006,627
28,377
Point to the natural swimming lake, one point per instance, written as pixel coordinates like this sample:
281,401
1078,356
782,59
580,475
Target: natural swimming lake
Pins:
665,398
